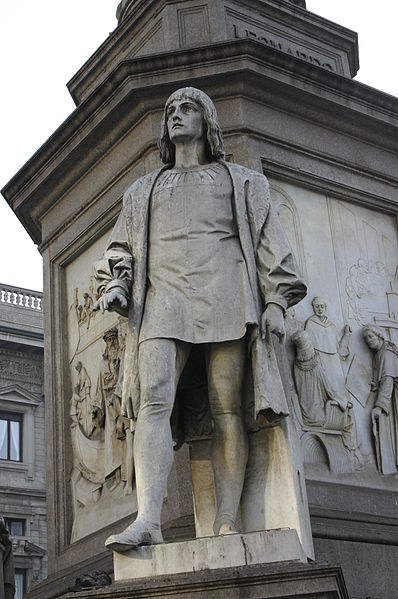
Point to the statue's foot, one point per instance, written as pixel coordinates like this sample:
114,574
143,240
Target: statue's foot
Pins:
227,529
224,527
140,532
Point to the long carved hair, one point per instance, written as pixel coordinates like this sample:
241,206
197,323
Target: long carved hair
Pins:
372,328
214,142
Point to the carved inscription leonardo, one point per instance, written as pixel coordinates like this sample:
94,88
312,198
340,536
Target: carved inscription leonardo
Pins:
272,41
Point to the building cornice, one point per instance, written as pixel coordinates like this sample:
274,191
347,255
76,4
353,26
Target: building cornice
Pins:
136,86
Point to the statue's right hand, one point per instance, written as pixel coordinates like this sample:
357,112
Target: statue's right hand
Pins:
376,413
112,300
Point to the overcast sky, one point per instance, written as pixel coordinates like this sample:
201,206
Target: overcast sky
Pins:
43,44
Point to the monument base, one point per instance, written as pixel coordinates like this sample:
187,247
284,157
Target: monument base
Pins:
286,580
209,553
267,564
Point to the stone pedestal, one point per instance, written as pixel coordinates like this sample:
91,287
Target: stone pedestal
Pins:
209,553
268,581
274,494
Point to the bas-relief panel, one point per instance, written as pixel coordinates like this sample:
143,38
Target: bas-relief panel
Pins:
349,256
102,486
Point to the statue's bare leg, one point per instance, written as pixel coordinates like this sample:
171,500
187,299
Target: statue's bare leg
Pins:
160,364
226,368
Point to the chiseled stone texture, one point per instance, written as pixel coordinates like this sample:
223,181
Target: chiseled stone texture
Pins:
209,553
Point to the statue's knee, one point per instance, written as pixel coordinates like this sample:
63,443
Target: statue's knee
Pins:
227,421
156,398
227,405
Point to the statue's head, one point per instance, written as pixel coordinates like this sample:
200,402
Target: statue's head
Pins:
213,140
319,305
373,335
112,345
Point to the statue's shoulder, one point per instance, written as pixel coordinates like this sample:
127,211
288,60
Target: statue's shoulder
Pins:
240,171
143,183
139,192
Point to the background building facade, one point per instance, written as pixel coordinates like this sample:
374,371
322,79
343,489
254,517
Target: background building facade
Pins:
22,432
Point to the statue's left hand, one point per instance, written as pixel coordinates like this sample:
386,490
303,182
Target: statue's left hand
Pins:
127,407
272,318
376,412
113,300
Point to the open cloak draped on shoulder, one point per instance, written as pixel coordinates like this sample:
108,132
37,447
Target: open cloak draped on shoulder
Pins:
270,264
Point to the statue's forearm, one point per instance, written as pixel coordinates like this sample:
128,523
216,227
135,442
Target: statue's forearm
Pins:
277,272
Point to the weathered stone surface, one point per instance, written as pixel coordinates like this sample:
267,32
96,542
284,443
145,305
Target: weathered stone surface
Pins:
209,553
163,27
329,148
269,581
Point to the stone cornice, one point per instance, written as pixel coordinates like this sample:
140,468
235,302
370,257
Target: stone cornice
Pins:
139,85
119,42
21,355
18,492
19,394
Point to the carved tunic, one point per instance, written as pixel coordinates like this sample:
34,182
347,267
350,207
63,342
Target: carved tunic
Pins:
271,270
198,285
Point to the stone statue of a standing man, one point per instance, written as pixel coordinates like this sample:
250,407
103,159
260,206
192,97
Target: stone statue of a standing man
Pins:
198,261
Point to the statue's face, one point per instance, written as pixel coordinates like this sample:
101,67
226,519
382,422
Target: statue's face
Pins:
372,340
112,347
319,307
185,122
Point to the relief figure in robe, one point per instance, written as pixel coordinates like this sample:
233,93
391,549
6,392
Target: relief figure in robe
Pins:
108,407
80,410
385,409
323,406
331,349
200,265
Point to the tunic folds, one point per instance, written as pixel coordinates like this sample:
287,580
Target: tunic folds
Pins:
271,271
198,285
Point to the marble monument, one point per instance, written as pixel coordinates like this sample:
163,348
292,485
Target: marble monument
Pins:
200,265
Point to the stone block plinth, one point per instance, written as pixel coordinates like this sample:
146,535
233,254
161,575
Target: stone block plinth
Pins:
286,580
209,553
